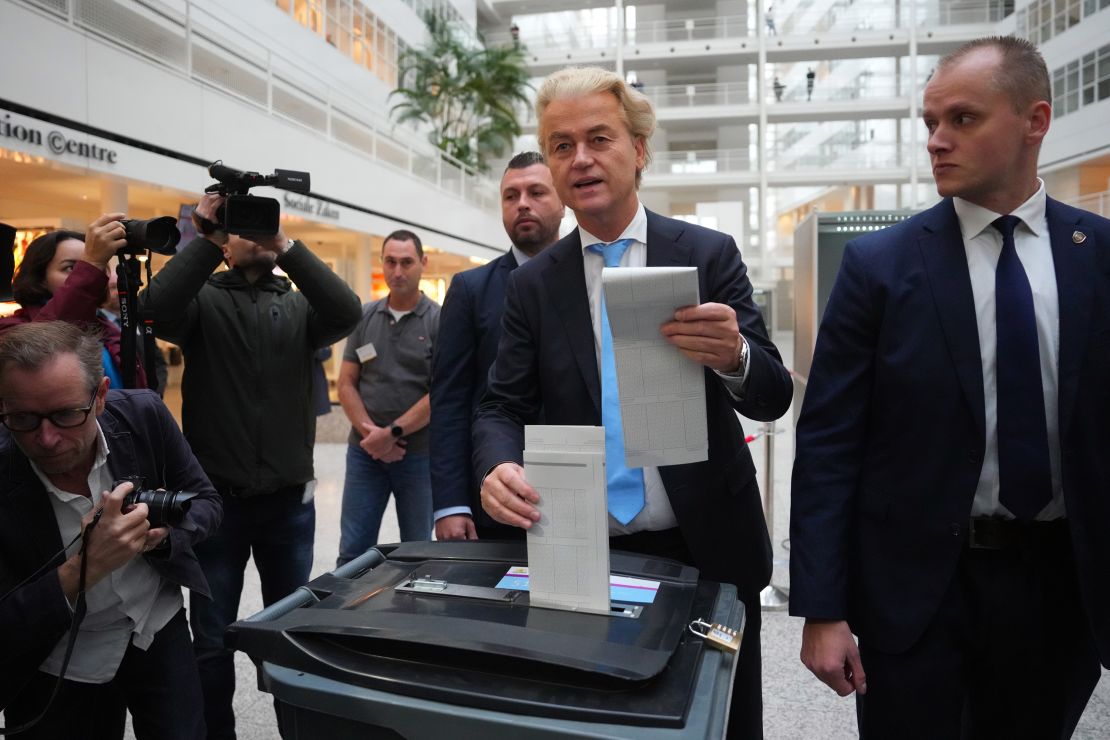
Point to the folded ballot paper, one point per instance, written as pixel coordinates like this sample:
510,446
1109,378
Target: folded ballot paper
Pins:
662,392
568,548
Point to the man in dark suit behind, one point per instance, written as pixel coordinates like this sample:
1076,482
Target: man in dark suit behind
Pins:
950,497
594,131
469,329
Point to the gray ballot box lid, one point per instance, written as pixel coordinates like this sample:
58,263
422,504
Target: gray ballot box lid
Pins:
358,634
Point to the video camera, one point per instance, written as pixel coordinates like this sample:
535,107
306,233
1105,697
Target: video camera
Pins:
249,215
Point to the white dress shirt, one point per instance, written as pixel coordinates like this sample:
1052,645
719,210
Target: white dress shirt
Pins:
657,513
983,245
519,255
128,605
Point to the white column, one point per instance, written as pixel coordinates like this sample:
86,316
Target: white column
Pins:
620,38
915,124
764,221
113,197
364,266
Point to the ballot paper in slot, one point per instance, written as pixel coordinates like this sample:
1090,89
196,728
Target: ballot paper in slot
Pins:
568,548
662,392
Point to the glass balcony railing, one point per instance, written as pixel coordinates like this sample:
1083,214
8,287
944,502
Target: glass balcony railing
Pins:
880,15
739,93
928,14
808,19
553,39
864,87
686,96
207,47
702,162
853,155
687,29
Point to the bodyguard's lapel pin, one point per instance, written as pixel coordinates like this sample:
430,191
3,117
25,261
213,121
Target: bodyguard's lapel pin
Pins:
1078,237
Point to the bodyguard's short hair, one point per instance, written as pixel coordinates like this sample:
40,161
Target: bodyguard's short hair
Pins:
573,82
524,160
1021,73
404,235
30,347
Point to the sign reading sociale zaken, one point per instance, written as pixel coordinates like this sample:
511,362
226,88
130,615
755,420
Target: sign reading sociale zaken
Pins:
308,205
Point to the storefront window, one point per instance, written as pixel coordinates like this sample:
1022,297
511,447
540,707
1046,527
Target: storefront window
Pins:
354,31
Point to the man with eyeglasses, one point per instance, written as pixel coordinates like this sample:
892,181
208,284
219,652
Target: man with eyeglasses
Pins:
65,440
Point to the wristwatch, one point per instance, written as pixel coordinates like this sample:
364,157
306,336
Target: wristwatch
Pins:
742,359
397,431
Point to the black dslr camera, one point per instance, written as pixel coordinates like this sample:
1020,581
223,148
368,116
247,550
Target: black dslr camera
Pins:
248,215
164,508
158,235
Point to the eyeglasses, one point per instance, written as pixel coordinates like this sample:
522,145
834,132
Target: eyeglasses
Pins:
29,421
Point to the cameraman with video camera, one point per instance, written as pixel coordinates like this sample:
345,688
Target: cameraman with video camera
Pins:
96,627
247,412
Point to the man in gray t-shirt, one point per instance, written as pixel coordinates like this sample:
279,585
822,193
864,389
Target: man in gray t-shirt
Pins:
383,387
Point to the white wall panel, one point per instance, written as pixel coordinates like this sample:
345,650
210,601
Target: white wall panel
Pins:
129,96
1077,134
35,48
65,72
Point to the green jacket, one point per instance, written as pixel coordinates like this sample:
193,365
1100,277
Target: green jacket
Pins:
247,387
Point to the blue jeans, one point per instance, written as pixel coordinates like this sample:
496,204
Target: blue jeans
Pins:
279,530
366,492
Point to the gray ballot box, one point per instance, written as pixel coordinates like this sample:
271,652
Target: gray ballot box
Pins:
416,641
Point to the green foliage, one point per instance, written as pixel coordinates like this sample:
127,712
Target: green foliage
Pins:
464,91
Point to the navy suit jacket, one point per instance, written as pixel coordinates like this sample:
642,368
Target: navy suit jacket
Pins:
143,440
546,357
469,330
891,438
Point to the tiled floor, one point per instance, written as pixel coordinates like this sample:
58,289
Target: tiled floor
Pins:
796,705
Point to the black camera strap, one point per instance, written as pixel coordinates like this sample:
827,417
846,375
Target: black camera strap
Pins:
132,323
79,610
150,348
127,283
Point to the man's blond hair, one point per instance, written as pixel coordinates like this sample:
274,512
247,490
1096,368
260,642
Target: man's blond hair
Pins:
637,111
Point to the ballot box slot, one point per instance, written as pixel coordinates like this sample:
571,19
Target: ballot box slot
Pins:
428,586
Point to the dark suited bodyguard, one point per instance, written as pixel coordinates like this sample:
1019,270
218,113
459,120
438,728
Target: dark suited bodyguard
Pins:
249,341
469,330
949,502
66,440
594,132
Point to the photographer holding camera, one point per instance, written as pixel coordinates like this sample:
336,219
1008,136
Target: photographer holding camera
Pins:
65,439
64,276
247,412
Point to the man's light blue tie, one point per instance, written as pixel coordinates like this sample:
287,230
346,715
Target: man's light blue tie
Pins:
625,485
1024,473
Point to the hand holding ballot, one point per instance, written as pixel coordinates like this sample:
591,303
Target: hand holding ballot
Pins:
707,334
507,497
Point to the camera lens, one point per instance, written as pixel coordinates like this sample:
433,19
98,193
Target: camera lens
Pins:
164,508
159,235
